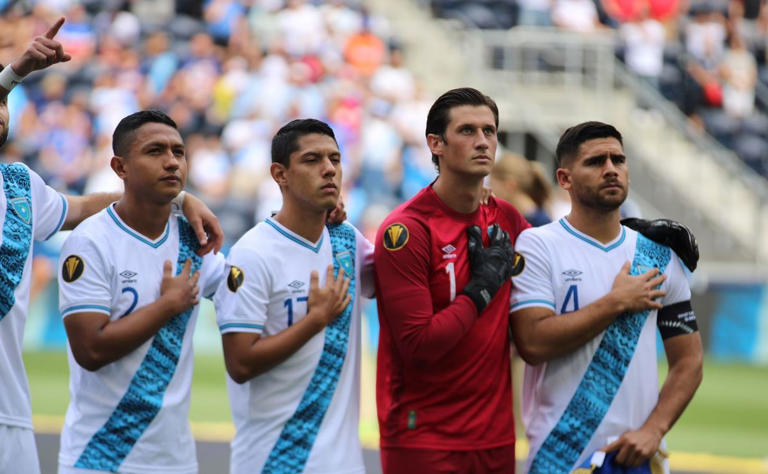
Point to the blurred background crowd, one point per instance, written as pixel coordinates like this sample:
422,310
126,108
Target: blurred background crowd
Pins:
706,56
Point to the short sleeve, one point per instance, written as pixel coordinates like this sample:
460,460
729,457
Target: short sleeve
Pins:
213,272
533,286
242,297
49,208
677,287
365,259
83,278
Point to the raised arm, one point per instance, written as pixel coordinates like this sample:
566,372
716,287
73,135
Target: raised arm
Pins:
42,52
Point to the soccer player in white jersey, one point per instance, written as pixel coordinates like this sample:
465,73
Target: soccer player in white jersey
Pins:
290,328
30,210
585,311
129,320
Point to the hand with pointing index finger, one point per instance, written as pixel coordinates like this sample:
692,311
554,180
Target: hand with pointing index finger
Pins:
42,52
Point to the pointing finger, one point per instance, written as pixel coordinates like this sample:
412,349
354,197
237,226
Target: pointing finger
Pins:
54,29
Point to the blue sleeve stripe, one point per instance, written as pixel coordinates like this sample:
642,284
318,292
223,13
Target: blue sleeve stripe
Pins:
87,308
241,326
536,302
64,208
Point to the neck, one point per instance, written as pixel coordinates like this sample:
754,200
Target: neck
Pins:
460,193
305,221
601,225
147,218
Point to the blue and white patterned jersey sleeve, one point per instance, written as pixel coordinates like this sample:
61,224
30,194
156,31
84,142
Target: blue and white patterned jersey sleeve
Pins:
49,208
533,286
83,278
242,298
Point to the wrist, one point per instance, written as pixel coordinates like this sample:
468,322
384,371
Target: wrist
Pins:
10,78
315,321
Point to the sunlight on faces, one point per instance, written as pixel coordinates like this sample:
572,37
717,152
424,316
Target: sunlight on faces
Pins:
598,177
469,143
313,178
155,166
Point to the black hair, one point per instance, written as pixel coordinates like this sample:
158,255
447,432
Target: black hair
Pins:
440,113
121,138
573,137
286,140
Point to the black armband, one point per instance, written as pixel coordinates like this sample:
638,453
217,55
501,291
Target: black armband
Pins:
676,320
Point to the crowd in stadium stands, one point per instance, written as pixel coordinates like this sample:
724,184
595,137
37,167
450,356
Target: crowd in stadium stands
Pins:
707,56
229,73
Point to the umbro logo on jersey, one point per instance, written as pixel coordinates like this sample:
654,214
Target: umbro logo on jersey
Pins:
449,250
395,237
235,278
572,275
296,284
128,275
72,268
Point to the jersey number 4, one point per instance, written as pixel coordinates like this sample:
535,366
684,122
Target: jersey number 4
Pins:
573,293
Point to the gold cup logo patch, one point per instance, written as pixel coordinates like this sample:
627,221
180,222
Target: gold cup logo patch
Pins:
235,278
72,268
518,264
395,237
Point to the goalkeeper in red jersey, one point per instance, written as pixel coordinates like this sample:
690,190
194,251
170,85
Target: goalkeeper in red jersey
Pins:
443,262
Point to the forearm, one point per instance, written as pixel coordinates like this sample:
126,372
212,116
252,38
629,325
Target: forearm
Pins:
80,208
682,381
115,339
264,353
546,337
422,337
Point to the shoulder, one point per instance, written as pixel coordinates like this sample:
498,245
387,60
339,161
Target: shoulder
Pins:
515,220
93,229
541,236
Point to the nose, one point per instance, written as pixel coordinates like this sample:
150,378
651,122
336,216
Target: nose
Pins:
481,140
329,168
609,168
171,161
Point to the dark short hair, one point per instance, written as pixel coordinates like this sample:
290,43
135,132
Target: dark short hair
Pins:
573,137
440,113
286,140
121,138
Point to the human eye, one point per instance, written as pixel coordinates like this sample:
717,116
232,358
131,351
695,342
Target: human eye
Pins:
489,131
619,159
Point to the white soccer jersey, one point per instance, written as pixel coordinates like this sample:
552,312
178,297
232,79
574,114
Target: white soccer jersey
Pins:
131,414
267,291
29,210
566,270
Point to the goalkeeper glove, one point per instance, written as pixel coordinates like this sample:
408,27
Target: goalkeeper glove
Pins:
670,233
490,267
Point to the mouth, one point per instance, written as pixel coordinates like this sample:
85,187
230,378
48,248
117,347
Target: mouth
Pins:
483,158
330,188
171,179
612,186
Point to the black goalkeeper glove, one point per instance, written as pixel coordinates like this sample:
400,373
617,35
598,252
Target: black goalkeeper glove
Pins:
491,267
670,233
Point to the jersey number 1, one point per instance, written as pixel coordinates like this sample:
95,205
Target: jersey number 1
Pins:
449,269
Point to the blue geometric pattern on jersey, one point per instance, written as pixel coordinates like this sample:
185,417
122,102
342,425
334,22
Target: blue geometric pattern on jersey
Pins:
291,451
143,400
603,377
17,232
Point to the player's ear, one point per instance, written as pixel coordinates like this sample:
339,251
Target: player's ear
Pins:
563,176
435,143
279,174
118,166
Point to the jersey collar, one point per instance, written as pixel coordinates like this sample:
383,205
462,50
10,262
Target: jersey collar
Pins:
124,227
290,235
591,241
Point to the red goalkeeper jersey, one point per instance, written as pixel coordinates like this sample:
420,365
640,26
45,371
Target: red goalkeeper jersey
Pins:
443,375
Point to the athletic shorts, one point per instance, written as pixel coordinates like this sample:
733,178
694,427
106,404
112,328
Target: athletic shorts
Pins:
499,460
18,452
